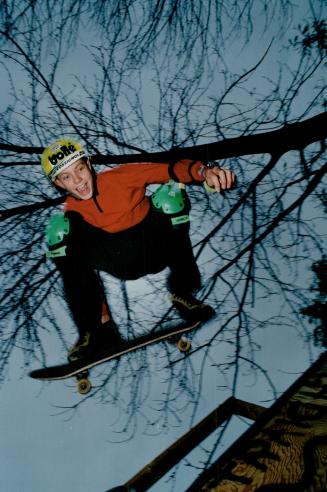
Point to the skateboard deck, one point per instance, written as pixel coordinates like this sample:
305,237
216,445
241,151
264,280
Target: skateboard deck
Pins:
81,368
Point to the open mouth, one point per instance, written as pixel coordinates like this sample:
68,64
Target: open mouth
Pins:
83,190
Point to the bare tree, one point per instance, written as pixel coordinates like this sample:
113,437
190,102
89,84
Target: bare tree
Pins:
161,88
316,311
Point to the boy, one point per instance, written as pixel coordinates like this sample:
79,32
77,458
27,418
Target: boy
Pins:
111,225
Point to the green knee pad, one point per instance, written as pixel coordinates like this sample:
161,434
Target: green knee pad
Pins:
55,232
170,199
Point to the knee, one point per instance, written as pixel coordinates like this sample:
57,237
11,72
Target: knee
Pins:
59,232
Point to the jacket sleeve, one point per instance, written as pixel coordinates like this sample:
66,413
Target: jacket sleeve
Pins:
186,171
142,174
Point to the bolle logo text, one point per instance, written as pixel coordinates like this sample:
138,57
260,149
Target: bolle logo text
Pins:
64,151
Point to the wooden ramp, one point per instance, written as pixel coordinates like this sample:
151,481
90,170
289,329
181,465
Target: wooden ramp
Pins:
285,450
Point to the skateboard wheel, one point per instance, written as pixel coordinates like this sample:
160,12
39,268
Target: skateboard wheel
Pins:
183,344
84,386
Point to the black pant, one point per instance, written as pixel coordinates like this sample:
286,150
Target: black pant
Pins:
146,248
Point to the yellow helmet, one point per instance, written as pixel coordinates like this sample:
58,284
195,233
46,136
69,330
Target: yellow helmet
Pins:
59,155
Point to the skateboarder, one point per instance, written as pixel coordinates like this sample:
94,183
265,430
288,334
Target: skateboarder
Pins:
110,224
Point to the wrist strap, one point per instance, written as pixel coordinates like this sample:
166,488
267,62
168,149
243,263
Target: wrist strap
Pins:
208,188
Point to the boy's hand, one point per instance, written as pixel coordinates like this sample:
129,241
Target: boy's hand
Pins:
219,178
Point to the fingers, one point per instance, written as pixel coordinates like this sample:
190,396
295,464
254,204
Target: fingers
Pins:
220,178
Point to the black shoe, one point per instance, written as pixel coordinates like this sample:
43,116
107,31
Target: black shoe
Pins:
104,338
190,308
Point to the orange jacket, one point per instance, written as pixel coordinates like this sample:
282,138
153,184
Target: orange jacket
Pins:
120,201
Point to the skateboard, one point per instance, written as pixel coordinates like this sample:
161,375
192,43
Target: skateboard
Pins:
80,369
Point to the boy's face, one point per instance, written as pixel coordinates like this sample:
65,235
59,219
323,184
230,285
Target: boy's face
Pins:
77,180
